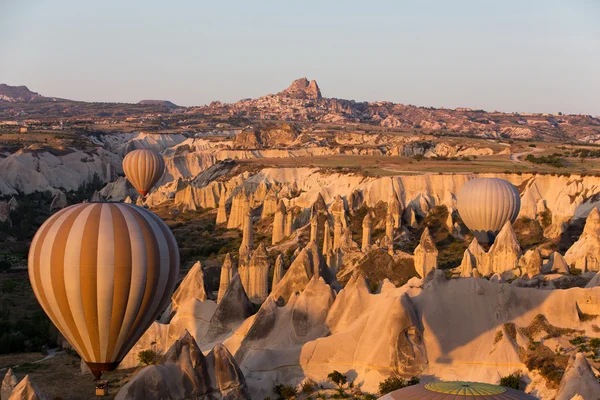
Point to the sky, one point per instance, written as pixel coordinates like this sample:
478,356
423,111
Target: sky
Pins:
526,55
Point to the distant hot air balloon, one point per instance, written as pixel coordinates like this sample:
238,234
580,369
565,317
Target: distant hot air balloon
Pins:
143,168
103,272
485,204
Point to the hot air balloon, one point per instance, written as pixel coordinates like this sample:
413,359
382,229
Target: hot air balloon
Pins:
457,390
485,204
103,272
143,168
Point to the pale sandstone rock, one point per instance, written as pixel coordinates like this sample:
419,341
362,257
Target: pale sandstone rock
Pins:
59,201
27,390
504,254
222,210
327,244
270,204
579,379
394,209
240,206
13,203
314,228
389,227
128,200
337,233
228,271
258,271
367,227
247,232
467,264
583,254
289,223
184,372
8,384
338,210
233,309
279,223
425,255
192,286
410,217
556,264
278,271
139,202
531,263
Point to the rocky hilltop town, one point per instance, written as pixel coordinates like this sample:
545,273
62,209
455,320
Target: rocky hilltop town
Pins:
323,253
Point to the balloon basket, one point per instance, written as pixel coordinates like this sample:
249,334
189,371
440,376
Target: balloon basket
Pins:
102,388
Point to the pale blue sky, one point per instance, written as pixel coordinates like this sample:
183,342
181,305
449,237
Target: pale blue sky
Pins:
527,55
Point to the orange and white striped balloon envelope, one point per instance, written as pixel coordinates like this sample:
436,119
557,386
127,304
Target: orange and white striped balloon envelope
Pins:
103,272
143,168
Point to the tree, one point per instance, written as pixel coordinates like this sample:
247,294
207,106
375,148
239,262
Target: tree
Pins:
147,357
338,378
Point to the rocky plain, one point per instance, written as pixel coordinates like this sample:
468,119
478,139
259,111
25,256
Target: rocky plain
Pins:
317,235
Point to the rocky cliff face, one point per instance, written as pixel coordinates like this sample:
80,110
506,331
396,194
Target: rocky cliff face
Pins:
302,89
579,380
583,255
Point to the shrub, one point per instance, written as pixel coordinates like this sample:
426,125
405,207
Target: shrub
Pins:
513,381
147,357
308,386
284,391
577,340
394,383
338,378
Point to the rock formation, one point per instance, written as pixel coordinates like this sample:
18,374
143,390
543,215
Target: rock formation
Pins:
556,264
504,254
222,210
8,384
338,210
337,234
27,390
314,228
278,271
327,245
59,201
270,204
367,227
583,254
228,271
258,272
393,209
139,202
318,207
389,227
128,200
233,309
192,286
579,379
184,372
247,233
289,223
279,223
410,217
300,272
531,263
425,255
240,206
467,264
13,204
302,89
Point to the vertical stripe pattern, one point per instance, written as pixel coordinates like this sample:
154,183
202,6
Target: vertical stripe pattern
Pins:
103,272
143,168
485,204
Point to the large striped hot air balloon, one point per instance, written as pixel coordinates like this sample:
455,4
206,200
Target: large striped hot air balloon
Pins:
143,168
456,391
103,272
485,204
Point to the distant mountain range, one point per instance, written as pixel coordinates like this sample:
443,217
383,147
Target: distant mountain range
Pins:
302,102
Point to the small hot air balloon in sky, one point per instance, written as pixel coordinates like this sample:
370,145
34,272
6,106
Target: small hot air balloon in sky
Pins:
103,272
143,168
485,204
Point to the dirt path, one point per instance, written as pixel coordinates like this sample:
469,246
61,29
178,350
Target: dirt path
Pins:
516,157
